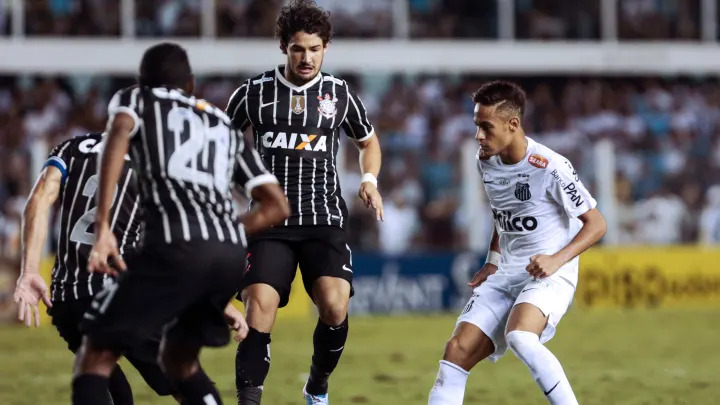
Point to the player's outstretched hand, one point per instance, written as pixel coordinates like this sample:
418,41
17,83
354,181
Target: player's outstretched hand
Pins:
486,271
542,266
105,247
30,289
236,321
370,196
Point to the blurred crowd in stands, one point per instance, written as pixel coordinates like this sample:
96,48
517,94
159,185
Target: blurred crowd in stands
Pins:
534,19
666,134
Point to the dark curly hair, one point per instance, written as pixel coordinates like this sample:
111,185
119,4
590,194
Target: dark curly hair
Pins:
302,15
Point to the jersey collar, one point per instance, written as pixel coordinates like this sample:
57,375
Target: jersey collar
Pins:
285,81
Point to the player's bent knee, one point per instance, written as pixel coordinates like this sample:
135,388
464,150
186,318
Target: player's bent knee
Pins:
457,351
520,342
261,299
94,360
334,313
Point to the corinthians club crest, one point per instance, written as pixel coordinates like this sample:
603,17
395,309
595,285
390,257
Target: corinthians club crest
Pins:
297,104
522,191
327,106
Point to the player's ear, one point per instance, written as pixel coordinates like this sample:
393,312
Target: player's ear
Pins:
514,124
283,47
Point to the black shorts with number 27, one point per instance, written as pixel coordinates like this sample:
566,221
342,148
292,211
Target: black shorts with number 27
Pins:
274,256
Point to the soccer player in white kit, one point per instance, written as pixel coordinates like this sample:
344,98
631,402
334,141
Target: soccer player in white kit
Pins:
544,218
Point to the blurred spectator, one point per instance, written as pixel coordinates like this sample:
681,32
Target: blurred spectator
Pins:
360,19
709,221
397,232
157,18
660,218
72,17
453,18
557,19
5,17
659,19
247,18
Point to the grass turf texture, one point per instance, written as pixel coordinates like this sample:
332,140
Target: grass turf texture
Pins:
611,357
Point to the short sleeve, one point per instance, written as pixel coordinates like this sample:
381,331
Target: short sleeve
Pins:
356,123
250,171
237,108
125,101
59,157
567,190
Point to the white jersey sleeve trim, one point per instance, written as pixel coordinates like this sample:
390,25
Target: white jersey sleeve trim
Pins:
129,111
366,137
266,178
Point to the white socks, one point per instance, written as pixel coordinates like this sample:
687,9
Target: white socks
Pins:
449,388
544,367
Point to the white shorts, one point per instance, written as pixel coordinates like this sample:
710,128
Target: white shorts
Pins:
490,305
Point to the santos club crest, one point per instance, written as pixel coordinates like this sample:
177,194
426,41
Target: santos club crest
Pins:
327,106
522,191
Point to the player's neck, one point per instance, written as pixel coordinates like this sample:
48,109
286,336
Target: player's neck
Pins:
515,152
292,78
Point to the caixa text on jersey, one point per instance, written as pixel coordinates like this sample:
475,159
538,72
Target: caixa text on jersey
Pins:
282,140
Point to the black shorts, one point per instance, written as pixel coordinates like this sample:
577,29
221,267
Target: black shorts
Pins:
273,258
67,315
180,289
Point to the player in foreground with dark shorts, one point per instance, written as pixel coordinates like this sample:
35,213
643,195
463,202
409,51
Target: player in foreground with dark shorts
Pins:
296,113
188,157
70,174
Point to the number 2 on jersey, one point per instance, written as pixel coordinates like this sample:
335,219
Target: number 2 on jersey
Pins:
79,232
194,152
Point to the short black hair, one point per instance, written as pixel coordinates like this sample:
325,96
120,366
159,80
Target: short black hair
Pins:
165,64
302,15
509,96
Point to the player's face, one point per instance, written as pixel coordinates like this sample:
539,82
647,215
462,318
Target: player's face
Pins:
495,131
305,55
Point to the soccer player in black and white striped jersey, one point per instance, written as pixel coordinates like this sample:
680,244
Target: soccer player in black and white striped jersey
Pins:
188,158
296,113
70,174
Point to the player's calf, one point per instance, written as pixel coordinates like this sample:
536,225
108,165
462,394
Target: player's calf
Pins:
544,366
252,364
468,346
331,295
93,367
180,363
119,387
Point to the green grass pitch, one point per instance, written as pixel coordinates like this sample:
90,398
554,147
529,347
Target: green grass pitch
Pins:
611,357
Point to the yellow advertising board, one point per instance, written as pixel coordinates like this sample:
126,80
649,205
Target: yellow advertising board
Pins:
649,277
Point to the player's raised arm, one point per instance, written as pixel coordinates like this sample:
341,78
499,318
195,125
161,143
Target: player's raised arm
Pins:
30,286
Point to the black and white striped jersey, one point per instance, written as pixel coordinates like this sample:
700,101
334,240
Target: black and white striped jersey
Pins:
188,156
296,130
77,161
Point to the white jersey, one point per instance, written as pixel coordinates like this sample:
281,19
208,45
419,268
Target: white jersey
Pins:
535,205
